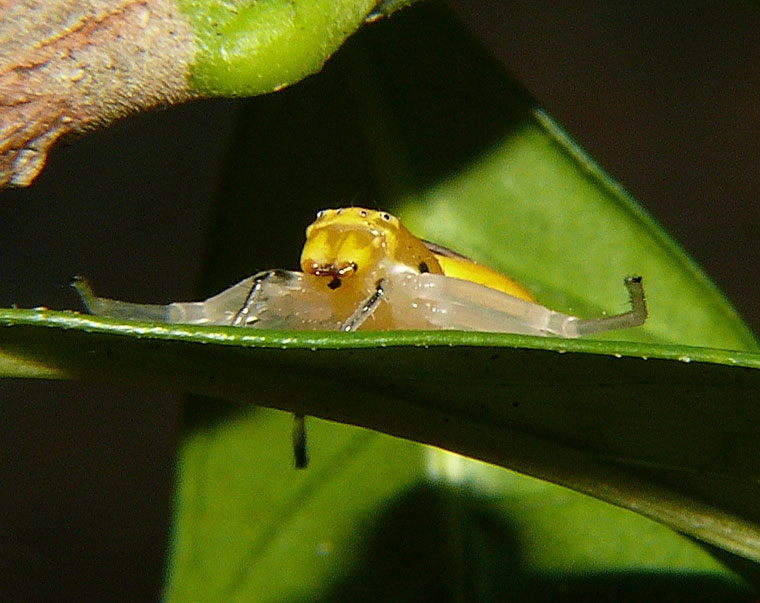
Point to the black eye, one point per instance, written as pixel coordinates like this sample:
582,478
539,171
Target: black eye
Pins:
321,213
424,267
386,217
363,213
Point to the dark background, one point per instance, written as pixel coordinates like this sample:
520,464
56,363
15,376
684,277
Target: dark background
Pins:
667,100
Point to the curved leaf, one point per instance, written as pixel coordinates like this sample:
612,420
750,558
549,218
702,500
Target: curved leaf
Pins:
644,434
430,127
537,189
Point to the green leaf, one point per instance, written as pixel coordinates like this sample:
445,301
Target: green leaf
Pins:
411,117
535,189
645,434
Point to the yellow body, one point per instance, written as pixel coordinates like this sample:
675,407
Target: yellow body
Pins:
359,247
457,266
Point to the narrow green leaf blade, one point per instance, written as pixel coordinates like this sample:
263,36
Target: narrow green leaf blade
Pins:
514,401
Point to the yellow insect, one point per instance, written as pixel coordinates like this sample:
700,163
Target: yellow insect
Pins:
363,270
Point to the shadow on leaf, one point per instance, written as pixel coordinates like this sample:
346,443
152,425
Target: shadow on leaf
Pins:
437,543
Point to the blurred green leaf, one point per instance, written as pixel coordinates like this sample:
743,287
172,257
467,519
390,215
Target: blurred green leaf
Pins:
412,117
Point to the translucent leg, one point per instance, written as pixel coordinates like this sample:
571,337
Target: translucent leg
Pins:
244,315
277,299
634,318
285,300
365,310
439,302
102,306
217,310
